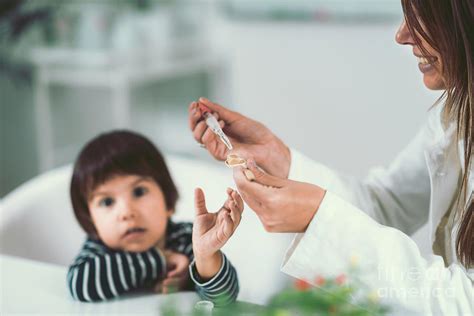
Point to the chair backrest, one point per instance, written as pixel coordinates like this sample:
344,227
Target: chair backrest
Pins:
37,222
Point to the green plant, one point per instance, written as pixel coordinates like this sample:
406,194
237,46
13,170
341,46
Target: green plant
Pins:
344,295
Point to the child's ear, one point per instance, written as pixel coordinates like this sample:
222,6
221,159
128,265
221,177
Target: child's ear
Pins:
170,212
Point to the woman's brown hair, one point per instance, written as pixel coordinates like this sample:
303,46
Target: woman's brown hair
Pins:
448,27
111,154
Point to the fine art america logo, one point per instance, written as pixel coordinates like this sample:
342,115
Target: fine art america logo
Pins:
423,283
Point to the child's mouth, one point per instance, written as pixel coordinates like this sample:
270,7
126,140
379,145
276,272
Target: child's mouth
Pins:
134,232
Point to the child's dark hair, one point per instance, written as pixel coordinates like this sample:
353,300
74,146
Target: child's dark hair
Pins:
116,153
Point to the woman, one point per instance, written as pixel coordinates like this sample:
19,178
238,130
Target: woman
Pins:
431,180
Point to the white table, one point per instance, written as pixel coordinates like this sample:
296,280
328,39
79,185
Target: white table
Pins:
35,287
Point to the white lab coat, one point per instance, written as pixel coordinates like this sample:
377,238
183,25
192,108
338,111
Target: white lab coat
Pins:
370,220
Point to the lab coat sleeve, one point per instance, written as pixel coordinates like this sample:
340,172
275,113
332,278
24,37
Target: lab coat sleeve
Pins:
397,196
388,261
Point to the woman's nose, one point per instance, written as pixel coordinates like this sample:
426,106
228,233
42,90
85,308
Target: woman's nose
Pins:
403,35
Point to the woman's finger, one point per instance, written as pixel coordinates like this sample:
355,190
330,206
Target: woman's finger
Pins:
223,112
262,177
208,136
194,115
253,193
199,131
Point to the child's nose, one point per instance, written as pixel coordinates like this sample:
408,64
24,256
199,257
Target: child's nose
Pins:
127,211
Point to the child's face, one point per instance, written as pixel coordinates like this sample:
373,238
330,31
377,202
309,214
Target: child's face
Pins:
129,213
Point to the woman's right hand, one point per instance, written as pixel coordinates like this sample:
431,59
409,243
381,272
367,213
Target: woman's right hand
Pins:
249,138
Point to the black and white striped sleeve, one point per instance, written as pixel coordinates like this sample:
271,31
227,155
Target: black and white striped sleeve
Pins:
179,238
222,289
98,273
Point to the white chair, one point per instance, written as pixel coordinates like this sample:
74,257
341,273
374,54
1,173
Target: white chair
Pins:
37,222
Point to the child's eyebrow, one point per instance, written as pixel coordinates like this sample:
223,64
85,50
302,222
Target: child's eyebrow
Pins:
141,179
96,194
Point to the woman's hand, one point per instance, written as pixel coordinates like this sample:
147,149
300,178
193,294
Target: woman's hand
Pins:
212,230
282,205
177,275
248,137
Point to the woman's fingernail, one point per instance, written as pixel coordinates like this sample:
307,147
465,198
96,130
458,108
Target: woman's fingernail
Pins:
203,99
251,163
249,175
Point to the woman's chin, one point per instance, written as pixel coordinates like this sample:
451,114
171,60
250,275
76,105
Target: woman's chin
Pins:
433,82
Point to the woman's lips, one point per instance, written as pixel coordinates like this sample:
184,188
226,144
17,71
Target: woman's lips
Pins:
426,64
424,68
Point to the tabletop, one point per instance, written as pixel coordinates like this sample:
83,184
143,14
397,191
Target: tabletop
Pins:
36,287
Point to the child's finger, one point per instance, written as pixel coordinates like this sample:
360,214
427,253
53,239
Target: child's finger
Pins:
227,225
158,287
171,285
169,281
235,214
238,199
180,269
220,217
227,203
199,202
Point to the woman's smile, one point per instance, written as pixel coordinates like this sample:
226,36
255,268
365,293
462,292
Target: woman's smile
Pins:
426,64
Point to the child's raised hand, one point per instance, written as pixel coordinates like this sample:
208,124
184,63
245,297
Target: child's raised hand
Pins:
212,230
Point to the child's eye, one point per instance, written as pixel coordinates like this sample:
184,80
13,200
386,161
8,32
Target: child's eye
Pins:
139,191
106,202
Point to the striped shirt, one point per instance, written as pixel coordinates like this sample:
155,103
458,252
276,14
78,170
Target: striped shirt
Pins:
99,273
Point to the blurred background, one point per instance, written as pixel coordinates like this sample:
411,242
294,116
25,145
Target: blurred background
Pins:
325,76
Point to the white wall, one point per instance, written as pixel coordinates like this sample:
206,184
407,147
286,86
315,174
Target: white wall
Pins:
347,95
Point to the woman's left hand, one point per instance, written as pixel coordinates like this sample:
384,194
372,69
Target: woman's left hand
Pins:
282,205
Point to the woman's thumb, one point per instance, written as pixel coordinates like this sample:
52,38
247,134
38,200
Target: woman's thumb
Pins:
256,174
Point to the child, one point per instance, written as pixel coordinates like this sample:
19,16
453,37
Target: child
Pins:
123,197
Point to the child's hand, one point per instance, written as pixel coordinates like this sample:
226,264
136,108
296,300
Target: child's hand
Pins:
212,230
177,275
